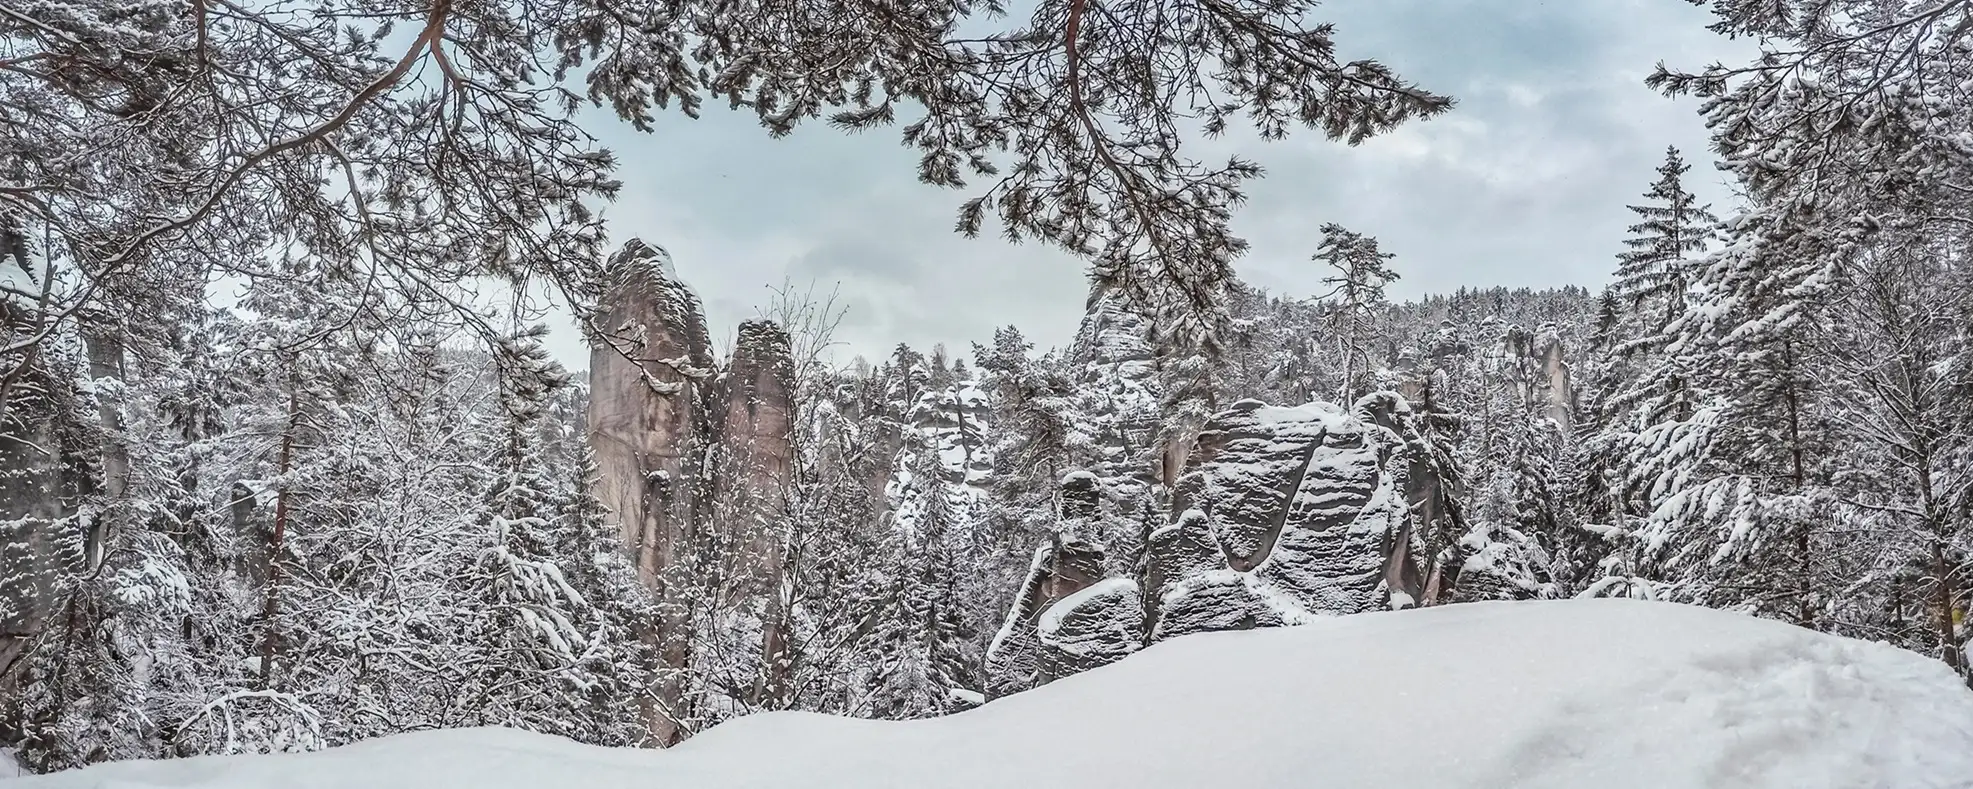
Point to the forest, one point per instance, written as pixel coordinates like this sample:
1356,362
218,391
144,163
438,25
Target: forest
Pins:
362,498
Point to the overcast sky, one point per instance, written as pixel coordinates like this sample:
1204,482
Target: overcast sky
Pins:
1523,184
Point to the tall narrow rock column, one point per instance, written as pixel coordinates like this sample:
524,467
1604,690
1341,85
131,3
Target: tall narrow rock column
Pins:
648,428
757,405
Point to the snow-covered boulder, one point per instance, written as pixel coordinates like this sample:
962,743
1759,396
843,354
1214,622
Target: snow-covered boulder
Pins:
1062,567
1090,629
1283,514
1611,694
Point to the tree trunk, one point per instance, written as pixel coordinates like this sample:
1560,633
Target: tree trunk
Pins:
1946,591
276,544
772,691
1804,585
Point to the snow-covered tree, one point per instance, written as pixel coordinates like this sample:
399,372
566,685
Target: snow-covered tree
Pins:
1356,295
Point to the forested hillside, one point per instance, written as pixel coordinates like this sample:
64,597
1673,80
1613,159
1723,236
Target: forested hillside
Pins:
393,533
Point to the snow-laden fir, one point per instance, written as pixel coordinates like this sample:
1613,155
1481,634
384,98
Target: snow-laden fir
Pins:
1611,694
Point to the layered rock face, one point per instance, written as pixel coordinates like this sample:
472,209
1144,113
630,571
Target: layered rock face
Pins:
954,420
1119,404
690,464
1098,625
951,423
648,412
1064,566
1284,515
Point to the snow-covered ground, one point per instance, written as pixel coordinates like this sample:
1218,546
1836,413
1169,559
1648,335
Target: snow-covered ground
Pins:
1595,693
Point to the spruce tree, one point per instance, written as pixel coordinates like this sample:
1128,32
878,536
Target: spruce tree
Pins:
1653,279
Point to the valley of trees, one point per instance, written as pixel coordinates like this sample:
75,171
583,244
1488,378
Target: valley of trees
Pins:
362,501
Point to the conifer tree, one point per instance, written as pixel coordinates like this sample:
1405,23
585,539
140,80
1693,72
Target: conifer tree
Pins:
531,620
1356,296
1651,274
1653,280
617,664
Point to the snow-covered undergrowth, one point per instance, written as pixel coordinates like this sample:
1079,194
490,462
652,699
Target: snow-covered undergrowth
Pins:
1594,693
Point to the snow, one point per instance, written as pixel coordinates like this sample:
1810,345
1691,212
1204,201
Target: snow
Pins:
1318,414
1051,619
1078,475
1040,558
1530,695
9,767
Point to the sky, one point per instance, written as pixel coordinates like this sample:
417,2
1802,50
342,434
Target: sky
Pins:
1524,183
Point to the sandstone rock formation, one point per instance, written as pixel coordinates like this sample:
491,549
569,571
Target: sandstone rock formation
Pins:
755,398
1096,626
690,463
1063,566
753,447
1537,366
648,417
1284,514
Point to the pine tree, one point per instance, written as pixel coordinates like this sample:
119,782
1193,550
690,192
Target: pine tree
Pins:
1356,297
1652,283
617,664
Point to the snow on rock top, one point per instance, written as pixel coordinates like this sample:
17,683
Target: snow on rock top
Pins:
1609,694
1051,619
1315,415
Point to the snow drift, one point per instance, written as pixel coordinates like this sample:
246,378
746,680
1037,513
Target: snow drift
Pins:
1598,693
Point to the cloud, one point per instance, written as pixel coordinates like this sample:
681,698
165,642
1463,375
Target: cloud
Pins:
856,259
1523,184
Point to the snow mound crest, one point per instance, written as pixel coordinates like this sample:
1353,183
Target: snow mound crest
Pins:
1531,695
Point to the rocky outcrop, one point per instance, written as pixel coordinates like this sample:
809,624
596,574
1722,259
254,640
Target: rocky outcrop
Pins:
648,425
1020,657
1559,396
1284,514
648,417
1118,401
756,403
1094,627
954,420
754,446
1537,366
756,398
1500,562
690,464
945,436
